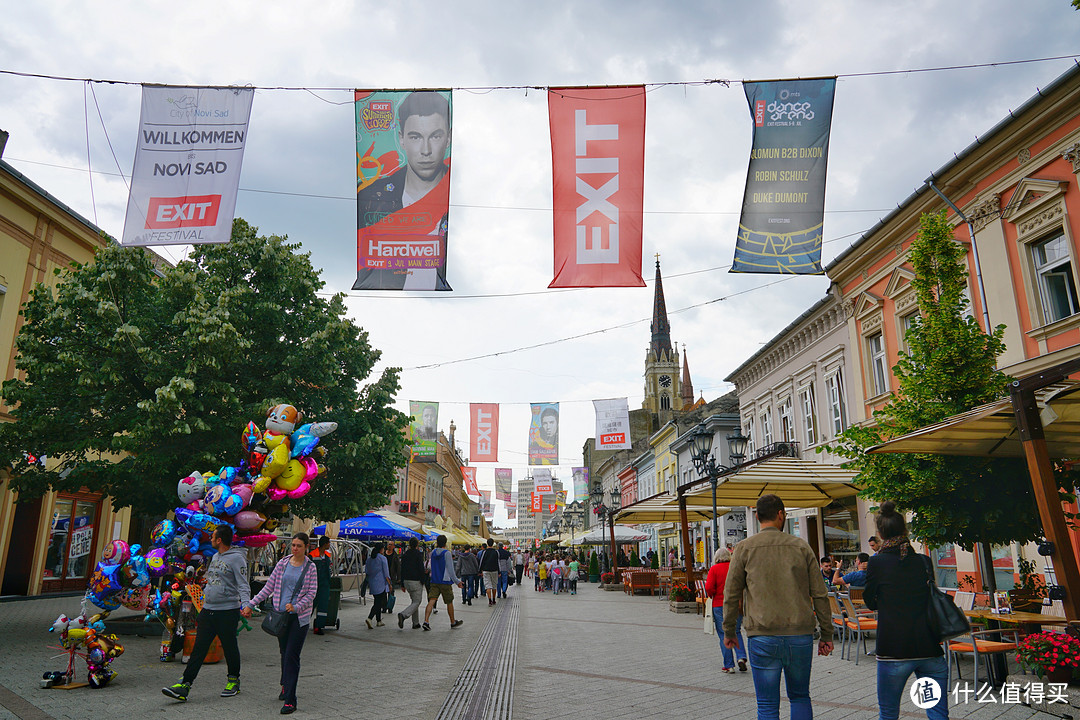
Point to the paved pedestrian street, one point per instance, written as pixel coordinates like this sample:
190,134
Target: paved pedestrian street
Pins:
535,656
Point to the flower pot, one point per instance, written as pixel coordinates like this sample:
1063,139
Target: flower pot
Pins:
594,578
683,607
1059,675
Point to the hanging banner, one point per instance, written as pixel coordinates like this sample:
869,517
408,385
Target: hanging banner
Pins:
504,479
425,430
488,511
485,497
784,200
551,508
612,424
511,513
544,434
560,498
581,483
402,189
598,172
470,481
542,482
537,503
484,432
187,165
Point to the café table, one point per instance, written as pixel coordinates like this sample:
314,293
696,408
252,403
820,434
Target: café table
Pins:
1027,621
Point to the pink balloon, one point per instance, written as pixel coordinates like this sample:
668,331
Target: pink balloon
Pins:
248,519
255,541
301,490
194,506
312,469
244,491
276,494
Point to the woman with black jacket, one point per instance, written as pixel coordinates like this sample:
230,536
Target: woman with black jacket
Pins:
896,586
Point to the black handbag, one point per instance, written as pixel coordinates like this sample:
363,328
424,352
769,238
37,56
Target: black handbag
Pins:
275,621
946,620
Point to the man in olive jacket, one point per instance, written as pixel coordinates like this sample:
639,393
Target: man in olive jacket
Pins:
777,579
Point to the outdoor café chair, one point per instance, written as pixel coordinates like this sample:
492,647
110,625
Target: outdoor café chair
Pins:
838,622
859,624
980,644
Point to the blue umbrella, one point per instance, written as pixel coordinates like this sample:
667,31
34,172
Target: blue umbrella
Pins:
371,527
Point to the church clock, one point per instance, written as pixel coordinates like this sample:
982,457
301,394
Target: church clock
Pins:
665,381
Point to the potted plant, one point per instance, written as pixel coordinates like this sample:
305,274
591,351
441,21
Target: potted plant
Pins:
655,561
1054,655
1027,594
594,568
635,561
682,599
607,581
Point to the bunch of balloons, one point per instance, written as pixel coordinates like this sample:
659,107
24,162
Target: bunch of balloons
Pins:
85,637
278,464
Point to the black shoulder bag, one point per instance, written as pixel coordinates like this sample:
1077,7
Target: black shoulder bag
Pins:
275,621
946,620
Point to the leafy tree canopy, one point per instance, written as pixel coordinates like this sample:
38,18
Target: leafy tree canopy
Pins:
133,378
950,368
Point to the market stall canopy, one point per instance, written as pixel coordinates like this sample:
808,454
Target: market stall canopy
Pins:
406,522
659,509
454,536
602,536
799,483
371,527
990,430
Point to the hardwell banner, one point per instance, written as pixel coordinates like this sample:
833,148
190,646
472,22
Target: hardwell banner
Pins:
537,503
470,480
612,424
598,172
484,432
402,189
544,434
187,165
425,430
784,201
581,483
542,482
504,480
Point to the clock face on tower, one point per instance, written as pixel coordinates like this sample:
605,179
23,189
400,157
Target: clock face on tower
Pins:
665,381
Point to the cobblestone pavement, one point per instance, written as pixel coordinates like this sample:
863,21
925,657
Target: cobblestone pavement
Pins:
596,654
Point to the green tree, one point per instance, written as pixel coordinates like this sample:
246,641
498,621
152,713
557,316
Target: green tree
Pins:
950,368
132,377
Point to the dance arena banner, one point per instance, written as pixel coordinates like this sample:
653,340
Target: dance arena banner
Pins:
484,432
598,172
187,165
537,503
425,430
581,483
542,482
784,201
544,434
470,481
402,189
504,480
612,424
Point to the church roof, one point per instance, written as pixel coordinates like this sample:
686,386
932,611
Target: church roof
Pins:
661,330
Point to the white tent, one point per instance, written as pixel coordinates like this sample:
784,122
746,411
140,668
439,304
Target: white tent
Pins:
602,536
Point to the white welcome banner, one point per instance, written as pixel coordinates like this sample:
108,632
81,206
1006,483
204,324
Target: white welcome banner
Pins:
187,165
612,424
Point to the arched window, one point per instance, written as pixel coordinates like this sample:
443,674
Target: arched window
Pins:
665,402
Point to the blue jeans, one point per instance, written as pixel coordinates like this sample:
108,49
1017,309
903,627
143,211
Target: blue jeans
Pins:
504,582
729,655
792,654
892,677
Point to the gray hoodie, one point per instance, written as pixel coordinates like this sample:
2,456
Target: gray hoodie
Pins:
227,584
469,564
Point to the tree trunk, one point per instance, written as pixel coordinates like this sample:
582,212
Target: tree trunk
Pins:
986,565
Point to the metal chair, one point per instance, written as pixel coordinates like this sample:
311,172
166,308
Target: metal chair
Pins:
858,623
984,648
838,622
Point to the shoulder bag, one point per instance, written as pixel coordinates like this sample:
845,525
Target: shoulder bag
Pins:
275,621
944,618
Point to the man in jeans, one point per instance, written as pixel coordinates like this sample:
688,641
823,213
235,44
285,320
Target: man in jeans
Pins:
227,588
777,578
489,568
412,580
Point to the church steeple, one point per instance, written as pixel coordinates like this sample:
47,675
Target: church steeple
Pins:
661,331
687,385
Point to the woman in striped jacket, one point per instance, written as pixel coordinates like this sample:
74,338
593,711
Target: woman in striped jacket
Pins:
292,569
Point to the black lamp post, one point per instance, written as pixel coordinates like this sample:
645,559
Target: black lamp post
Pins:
606,513
701,453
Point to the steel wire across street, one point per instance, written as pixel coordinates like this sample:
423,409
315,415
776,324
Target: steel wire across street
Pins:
533,656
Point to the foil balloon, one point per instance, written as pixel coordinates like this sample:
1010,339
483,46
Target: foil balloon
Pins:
198,522
134,598
135,571
276,494
115,553
245,492
291,477
215,499
302,444
163,533
157,562
275,462
250,437
311,468
233,504
255,540
105,602
300,490
281,420
249,520
104,581
190,488
323,429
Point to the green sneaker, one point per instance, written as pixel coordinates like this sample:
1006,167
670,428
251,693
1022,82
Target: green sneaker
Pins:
232,687
178,691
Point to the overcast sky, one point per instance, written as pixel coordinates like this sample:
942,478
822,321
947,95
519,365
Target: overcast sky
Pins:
889,133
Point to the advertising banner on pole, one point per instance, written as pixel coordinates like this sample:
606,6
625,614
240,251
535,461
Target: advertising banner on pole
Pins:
783,205
483,432
544,434
612,424
598,172
537,503
187,165
581,483
551,508
470,481
504,479
402,189
425,430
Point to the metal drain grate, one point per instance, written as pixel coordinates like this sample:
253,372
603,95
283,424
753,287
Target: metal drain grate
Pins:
485,688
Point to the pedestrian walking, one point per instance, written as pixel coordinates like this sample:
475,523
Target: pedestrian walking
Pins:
323,560
470,570
896,586
572,574
505,564
227,589
542,572
443,580
777,578
293,586
489,568
519,567
412,581
714,588
378,576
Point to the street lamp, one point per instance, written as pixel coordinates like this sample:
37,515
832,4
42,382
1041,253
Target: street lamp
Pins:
606,513
701,439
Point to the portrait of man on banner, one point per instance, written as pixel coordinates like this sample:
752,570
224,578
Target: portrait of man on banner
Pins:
424,425
544,434
402,189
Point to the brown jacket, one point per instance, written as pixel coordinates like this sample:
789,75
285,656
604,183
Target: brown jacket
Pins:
776,576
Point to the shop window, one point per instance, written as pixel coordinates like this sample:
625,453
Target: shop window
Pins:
841,530
944,560
879,368
71,541
1054,274
766,429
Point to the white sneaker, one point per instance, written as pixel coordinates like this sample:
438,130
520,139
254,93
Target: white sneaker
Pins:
380,624
369,625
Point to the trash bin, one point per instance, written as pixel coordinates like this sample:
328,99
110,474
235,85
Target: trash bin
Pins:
333,603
